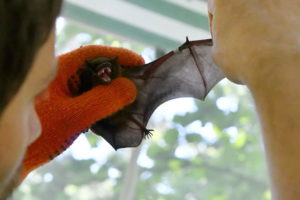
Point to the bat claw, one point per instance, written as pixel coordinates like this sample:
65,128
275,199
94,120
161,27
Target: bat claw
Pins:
148,133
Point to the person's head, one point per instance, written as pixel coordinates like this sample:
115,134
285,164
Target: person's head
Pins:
26,67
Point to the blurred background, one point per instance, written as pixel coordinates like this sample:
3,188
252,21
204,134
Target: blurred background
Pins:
208,150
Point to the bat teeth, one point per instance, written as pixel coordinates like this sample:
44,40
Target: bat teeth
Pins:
104,74
107,70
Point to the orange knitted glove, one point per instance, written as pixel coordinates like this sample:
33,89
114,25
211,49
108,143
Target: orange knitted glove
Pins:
64,117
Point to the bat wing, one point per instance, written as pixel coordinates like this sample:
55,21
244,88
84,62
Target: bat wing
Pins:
188,71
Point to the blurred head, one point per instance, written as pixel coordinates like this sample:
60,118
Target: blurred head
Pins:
27,65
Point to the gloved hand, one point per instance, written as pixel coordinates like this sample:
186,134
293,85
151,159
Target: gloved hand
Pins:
64,117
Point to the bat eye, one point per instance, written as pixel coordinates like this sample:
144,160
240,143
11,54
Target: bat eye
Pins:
105,64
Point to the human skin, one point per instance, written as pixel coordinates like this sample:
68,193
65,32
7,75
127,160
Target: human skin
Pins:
257,43
19,123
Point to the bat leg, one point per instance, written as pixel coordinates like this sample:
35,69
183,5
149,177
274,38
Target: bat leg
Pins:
147,133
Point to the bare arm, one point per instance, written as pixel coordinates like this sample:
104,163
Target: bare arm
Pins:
257,43
278,105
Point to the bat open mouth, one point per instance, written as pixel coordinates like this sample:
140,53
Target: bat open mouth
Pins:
105,74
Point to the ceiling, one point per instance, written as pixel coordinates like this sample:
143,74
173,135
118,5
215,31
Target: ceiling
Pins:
161,23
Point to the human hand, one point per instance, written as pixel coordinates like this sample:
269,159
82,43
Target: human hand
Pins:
256,41
64,117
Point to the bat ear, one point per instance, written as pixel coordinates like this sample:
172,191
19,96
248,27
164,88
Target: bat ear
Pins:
114,61
88,64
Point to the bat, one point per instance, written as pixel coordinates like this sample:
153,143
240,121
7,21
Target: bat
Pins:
188,71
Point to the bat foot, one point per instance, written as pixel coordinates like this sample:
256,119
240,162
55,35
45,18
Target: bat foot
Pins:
148,133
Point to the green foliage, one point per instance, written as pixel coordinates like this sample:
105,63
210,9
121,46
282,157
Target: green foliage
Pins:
229,167
221,160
